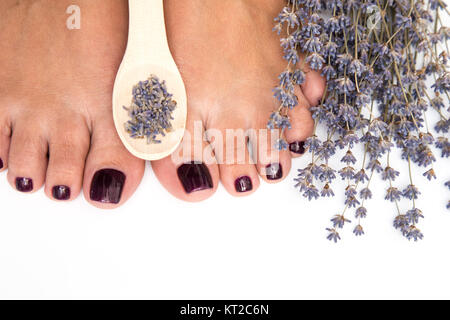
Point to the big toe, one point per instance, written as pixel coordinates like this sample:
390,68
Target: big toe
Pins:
112,174
191,172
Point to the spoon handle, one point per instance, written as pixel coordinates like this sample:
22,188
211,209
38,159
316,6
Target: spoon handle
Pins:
147,38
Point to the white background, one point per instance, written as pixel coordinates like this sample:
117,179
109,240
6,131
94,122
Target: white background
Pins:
268,246
271,245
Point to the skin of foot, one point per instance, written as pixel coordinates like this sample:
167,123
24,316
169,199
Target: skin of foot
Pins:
56,126
230,59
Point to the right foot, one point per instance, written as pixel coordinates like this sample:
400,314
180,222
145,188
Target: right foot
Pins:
229,59
56,123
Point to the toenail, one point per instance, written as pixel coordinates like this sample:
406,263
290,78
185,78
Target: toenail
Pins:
194,177
107,186
297,147
24,184
274,171
61,192
243,184
1,164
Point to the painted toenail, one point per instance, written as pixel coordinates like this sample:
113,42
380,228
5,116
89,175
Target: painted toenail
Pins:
194,177
274,171
1,164
107,186
61,192
243,184
24,184
297,147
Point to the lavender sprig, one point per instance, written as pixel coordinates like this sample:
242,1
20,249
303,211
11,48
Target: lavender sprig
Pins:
378,57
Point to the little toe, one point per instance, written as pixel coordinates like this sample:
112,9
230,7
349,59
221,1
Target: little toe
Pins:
191,172
27,161
111,174
302,126
68,148
314,87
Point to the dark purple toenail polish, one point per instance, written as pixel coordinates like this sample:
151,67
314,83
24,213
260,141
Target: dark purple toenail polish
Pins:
297,147
274,171
243,184
1,163
61,192
24,184
107,186
194,177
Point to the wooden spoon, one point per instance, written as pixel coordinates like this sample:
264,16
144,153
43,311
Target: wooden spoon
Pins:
148,54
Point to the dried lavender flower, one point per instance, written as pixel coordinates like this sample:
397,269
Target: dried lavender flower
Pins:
150,111
414,215
361,213
339,221
378,57
358,231
333,235
411,192
393,194
412,233
327,191
430,174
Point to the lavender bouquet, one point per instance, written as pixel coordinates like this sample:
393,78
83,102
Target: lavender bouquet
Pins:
386,65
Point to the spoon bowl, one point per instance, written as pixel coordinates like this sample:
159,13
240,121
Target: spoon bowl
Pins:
125,81
148,54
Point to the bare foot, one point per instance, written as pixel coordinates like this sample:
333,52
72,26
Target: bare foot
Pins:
56,84
230,59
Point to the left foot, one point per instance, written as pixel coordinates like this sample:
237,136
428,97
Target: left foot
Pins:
56,125
230,59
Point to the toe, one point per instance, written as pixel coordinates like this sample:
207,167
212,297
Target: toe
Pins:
273,165
27,161
68,147
302,126
111,173
314,87
191,172
237,169
5,138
